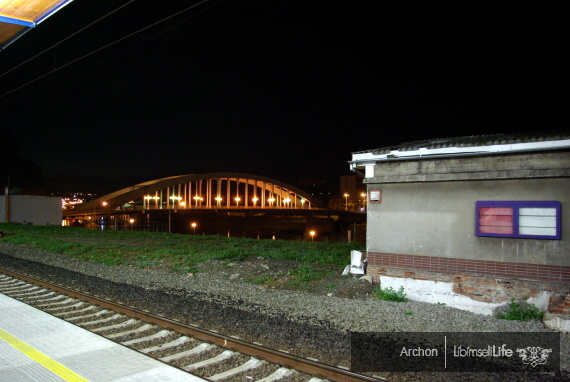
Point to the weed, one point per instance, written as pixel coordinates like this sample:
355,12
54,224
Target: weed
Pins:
409,313
305,275
184,269
306,272
332,286
389,294
264,280
526,312
441,303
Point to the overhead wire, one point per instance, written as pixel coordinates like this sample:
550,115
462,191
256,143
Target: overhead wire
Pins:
110,44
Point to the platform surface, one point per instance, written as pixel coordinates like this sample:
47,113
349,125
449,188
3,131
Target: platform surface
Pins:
35,346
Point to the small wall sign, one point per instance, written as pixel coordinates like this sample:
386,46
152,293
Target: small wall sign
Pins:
375,196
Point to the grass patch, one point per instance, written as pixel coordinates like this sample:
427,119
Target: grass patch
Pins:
181,253
263,280
184,269
389,294
520,312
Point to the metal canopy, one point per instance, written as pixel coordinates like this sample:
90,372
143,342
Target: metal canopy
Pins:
19,16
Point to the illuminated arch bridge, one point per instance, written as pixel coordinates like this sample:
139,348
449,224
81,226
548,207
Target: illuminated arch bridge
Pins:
204,191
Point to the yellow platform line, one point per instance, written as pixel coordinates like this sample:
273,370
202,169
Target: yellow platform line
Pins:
53,366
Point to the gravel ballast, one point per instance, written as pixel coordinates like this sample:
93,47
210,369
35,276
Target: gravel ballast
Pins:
308,324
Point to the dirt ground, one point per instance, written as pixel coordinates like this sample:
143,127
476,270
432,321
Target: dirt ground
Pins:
291,275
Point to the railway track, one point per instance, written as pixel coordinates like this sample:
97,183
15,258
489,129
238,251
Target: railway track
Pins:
205,353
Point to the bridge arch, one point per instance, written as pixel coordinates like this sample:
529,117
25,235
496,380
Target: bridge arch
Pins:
210,190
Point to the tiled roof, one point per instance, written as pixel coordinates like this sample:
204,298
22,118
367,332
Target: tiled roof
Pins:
474,140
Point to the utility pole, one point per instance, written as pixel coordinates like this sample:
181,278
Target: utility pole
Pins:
7,201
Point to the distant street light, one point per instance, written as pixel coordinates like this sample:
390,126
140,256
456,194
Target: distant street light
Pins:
193,227
346,199
312,233
174,199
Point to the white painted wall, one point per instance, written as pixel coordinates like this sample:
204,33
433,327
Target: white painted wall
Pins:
31,209
437,291
438,219
441,292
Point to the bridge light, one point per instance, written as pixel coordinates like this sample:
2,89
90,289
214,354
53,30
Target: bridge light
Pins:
237,199
104,204
312,233
219,200
271,200
254,200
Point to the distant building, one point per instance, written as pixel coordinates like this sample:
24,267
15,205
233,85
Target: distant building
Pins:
30,209
353,186
471,222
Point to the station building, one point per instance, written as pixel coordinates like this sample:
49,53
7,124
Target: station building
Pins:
471,222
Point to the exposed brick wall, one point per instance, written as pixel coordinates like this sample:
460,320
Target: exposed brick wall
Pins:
482,268
481,288
563,307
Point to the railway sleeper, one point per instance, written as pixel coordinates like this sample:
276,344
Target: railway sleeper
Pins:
277,375
114,328
159,335
189,353
92,325
252,363
133,333
210,361
171,347
85,318
70,314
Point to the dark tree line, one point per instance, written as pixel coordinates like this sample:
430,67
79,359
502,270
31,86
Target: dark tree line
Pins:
23,176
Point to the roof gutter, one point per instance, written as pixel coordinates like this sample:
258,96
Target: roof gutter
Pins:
368,158
461,151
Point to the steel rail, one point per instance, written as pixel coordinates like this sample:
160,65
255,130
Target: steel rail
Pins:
288,360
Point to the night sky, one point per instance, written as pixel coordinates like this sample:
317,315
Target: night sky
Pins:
284,89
